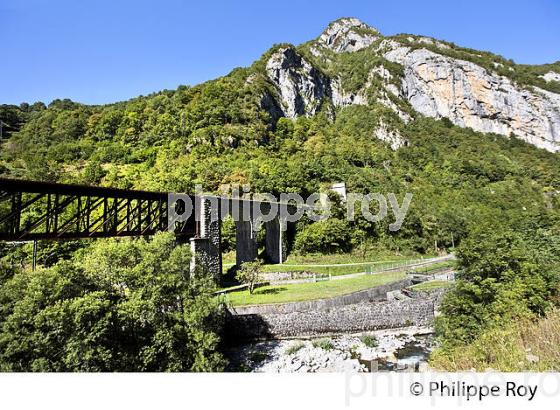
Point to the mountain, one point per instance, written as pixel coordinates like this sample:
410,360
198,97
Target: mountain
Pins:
474,136
431,77
351,63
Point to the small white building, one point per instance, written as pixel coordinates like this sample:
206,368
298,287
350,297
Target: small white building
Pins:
340,189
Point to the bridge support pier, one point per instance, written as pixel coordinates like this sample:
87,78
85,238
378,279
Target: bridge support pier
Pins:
206,247
204,256
246,242
275,241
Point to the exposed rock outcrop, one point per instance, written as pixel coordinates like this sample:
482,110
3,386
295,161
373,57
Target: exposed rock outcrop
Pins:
269,104
428,40
341,98
433,84
551,76
347,35
439,86
301,87
391,137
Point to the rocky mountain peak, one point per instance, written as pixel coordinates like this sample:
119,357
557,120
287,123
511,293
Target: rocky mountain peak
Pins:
427,76
347,35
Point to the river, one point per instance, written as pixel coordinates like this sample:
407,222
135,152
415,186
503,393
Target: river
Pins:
405,349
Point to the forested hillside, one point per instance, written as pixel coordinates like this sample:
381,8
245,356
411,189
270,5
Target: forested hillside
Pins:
303,117
221,132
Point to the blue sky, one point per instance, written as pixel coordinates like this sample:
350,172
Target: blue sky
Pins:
106,51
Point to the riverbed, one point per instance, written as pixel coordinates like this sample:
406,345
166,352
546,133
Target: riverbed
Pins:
403,349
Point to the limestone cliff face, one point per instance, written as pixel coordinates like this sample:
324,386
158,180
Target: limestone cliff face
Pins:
439,86
432,84
301,87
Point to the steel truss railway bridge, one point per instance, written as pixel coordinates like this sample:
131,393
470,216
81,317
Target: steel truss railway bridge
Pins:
32,210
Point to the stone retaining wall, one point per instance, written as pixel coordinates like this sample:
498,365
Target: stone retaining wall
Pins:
361,311
378,293
350,318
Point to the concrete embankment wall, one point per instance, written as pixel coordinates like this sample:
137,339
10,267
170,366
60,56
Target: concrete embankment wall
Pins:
360,311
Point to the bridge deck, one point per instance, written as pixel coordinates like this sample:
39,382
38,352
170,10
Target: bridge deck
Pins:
43,210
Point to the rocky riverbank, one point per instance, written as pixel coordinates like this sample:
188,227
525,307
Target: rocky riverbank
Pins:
405,349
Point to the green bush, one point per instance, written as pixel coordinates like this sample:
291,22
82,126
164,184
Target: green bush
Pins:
515,346
369,340
249,273
228,235
294,347
504,276
328,236
324,343
121,305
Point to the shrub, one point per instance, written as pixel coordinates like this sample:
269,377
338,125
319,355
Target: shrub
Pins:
323,343
250,273
328,236
369,340
519,281
121,305
228,234
519,346
295,347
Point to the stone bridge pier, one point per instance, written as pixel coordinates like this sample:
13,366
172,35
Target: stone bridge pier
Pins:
274,244
205,246
206,252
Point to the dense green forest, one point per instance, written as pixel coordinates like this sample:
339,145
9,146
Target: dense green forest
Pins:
494,197
117,306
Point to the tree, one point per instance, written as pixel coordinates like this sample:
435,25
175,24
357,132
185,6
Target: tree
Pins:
250,274
503,276
327,236
120,305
